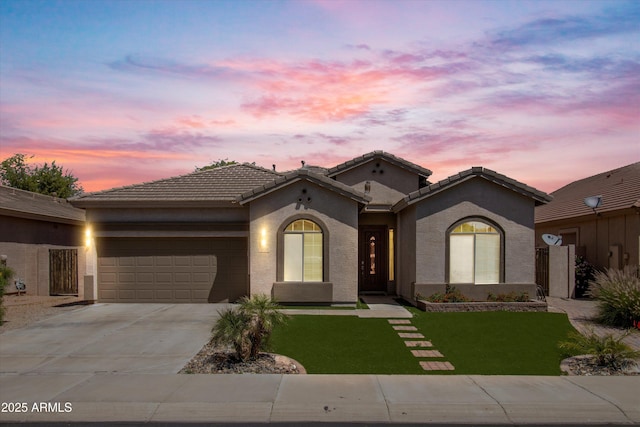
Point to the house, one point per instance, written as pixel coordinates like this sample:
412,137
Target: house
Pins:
42,240
608,236
373,224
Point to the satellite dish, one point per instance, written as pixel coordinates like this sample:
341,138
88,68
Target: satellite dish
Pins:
552,239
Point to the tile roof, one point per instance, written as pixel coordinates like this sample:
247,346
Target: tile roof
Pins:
221,184
303,174
619,188
480,172
25,204
378,154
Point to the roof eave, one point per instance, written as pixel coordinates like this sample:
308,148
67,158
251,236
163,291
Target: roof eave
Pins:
358,161
151,204
40,217
298,176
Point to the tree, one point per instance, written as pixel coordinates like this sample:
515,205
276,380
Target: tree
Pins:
217,164
44,179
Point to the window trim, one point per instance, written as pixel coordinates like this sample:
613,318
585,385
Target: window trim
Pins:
489,222
325,247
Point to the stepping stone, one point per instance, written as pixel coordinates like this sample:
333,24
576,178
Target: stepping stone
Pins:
410,335
399,321
418,344
405,328
437,366
426,353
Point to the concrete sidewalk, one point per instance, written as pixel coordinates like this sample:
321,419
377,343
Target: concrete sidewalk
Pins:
460,399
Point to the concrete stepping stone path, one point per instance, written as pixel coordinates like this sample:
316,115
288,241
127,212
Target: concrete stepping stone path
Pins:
402,326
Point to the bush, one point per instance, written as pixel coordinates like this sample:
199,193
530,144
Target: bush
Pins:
618,295
608,351
5,276
510,297
584,275
247,328
451,294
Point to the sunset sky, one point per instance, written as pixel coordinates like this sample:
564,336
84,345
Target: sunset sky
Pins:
125,91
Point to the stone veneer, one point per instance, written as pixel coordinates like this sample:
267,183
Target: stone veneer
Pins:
481,306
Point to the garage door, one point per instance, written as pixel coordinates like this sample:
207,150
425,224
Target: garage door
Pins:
172,270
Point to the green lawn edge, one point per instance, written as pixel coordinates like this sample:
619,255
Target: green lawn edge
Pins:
489,343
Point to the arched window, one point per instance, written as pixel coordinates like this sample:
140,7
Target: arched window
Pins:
303,252
474,253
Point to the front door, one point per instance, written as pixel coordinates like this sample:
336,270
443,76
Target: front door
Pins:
373,258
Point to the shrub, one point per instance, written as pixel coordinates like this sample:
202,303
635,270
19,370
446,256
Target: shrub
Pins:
451,294
618,295
5,276
247,327
584,275
510,297
608,350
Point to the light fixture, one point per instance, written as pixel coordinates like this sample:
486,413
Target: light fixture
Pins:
3,260
87,237
263,239
593,202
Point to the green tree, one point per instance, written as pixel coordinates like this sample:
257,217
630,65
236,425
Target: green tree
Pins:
49,179
217,164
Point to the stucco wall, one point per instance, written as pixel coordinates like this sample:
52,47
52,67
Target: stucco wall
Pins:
406,252
177,214
31,264
271,213
389,183
23,230
477,197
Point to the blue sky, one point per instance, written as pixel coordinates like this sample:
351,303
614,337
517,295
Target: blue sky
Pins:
127,91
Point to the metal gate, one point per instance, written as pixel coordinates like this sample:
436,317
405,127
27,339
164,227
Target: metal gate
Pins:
63,271
542,269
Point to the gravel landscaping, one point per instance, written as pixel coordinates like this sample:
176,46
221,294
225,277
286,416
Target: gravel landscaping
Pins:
586,365
217,360
22,310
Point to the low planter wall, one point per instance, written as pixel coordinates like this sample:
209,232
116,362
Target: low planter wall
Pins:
481,306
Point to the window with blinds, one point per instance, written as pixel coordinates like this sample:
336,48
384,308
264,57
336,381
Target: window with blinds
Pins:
303,252
474,253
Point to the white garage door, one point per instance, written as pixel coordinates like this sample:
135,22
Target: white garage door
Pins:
172,270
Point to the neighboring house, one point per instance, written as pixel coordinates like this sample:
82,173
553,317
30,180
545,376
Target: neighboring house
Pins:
42,238
370,225
607,236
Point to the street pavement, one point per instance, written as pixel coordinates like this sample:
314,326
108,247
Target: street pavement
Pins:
115,363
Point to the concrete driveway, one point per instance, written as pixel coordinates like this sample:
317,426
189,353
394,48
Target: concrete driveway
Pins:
110,338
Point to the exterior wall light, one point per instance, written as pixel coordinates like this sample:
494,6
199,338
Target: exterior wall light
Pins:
87,237
263,239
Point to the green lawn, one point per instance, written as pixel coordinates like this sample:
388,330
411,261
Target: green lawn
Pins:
475,343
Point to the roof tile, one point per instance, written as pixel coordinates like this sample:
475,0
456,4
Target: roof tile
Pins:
14,202
221,184
619,188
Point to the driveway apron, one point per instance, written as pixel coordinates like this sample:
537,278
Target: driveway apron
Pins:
110,338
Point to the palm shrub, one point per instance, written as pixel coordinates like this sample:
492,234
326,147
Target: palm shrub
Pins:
248,326
264,314
618,295
609,351
232,328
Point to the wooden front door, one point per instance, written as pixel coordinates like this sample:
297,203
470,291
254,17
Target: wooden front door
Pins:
373,258
63,271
